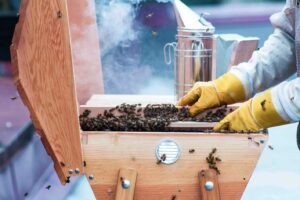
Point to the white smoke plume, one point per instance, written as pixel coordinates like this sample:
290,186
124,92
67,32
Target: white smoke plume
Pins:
119,39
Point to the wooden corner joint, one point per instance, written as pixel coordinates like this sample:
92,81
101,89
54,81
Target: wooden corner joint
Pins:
209,185
126,184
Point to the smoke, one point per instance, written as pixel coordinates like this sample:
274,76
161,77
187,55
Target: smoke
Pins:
120,42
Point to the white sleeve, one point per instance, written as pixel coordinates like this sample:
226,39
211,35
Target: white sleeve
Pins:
286,99
274,62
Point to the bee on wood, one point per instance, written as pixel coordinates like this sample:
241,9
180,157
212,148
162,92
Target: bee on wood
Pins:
191,150
59,14
112,109
173,197
62,164
218,159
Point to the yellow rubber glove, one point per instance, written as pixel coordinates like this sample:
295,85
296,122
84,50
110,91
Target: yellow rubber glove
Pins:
227,89
256,114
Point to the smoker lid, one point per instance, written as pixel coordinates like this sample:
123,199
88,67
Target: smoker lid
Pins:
187,19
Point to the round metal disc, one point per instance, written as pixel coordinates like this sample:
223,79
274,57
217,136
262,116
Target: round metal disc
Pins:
170,148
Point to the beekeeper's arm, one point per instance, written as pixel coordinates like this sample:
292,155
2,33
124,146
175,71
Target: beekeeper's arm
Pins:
280,105
270,65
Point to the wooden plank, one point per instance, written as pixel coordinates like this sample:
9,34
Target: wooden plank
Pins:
85,49
191,124
43,74
107,152
126,193
204,177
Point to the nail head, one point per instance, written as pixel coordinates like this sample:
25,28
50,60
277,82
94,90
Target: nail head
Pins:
209,185
126,184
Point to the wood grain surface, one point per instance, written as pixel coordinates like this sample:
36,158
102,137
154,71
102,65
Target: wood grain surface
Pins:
212,176
107,152
43,74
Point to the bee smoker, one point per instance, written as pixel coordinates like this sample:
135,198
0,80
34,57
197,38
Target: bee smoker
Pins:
192,51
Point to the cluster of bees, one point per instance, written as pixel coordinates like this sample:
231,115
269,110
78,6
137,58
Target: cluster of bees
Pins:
212,160
154,117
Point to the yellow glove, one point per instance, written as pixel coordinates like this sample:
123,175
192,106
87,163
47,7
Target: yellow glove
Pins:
253,115
227,89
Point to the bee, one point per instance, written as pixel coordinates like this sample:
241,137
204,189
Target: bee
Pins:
292,99
48,187
162,158
263,105
112,109
59,14
122,180
84,163
26,194
62,164
174,197
154,34
214,150
68,179
13,98
271,147
257,143
149,15
218,159
191,150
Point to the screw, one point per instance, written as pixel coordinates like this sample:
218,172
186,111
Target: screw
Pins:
70,171
125,184
91,177
77,170
209,185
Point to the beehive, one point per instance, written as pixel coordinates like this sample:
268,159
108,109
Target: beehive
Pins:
44,72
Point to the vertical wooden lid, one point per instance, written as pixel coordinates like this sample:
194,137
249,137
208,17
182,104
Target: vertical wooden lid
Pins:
43,73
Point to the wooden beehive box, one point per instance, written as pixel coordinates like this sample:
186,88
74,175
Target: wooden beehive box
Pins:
43,58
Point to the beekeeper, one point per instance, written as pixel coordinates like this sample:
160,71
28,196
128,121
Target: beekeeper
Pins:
276,61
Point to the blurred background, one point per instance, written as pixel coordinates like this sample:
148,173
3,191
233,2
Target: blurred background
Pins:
133,63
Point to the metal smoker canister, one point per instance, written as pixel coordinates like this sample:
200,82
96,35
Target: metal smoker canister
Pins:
193,57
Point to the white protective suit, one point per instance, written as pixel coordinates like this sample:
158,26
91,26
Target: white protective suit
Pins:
275,62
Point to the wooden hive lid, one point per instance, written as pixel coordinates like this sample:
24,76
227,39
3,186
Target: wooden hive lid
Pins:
43,73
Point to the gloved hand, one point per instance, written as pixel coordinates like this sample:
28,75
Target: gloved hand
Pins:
253,115
227,89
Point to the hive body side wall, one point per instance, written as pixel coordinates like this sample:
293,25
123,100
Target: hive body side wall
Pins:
107,152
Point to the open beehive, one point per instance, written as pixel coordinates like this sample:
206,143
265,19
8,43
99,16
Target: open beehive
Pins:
44,75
